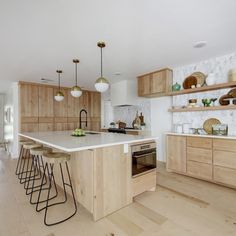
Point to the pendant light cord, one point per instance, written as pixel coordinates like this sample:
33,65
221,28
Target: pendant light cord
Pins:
76,74
59,81
101,63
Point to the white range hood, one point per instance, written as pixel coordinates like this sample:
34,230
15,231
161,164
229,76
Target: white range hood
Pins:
124,93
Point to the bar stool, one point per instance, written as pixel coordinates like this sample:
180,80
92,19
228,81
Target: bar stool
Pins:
51,160
21,155
36,154
27,158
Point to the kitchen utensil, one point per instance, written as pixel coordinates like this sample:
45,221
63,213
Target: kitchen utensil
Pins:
222,100
207,126
200,78
176,87
211,79
232,93
220,129
189,81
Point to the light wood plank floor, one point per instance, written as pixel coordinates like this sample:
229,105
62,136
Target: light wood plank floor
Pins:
180,206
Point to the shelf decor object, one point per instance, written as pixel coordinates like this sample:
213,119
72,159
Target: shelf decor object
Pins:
76,90
59,95
207,126
101,83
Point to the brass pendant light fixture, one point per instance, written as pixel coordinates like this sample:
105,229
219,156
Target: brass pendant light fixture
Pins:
59,95
76,90
101,83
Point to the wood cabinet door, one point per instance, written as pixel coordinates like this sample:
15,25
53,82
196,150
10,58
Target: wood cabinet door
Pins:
158,82
144,85
176,153
73,106
84,102
95,104
29,102
61,108
46,101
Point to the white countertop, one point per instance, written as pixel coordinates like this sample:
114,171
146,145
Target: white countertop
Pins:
64,141
204,135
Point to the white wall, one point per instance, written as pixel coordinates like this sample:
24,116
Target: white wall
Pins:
161,121
1,116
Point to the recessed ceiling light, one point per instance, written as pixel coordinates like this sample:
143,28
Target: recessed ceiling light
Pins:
117,73
46,80
200,44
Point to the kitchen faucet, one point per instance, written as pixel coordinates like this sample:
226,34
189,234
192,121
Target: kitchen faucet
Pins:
86,118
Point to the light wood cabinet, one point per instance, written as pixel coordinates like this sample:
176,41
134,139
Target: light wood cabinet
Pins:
212,159
40,112
155,84
176,153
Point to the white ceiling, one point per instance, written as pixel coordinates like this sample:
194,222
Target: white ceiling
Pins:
38,37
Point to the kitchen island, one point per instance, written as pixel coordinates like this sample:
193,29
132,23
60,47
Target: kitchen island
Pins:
101,168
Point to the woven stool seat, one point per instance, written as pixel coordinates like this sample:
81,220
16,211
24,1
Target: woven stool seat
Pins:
32,145
40,151
23,142
56,157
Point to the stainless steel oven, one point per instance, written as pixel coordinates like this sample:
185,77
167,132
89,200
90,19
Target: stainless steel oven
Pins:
143,158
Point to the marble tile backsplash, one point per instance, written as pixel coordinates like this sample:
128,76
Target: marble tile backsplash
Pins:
127,114
220,67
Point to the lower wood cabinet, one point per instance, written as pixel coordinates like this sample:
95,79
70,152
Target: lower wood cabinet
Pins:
176,153
212,159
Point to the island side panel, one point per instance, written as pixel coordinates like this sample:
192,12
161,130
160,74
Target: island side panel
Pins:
112,180
82,165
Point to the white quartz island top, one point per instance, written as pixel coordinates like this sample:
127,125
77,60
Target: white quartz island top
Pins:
64,141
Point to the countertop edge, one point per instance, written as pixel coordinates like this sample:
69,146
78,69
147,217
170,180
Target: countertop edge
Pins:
202,135
87,147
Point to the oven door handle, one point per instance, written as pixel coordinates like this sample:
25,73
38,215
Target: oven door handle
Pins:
143,155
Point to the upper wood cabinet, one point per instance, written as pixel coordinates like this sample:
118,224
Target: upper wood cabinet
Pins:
176,153
61,108
46,101
84,102
29,100
95,104
73,106
155,84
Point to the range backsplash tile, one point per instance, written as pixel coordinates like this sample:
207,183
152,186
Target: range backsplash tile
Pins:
127,114
220,67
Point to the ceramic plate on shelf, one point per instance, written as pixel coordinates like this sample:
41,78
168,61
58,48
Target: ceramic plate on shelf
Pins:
189,81
200,77
207,126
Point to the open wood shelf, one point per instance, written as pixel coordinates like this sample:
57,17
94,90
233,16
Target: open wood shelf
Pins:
216,108
203,89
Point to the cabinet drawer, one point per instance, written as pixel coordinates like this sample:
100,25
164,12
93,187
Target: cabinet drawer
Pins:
144,182
199,155
200,170
199,142
225,175
225,159
224,145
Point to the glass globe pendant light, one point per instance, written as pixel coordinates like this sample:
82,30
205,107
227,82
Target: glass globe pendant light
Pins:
76,90
59,95
101,83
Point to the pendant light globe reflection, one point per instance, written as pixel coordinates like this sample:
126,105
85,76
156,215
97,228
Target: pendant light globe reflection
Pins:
59,96
76,91
101,85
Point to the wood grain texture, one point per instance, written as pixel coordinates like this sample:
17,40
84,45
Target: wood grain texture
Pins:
199,155
225,176
176,153
224,145
200,170
225,159
199,142
144,183
61,108
45,101
112,180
